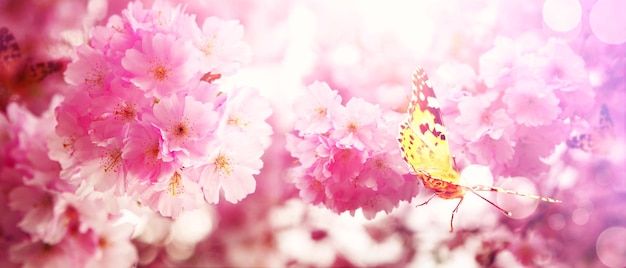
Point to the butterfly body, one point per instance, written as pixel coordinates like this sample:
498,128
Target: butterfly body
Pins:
442,184
424,145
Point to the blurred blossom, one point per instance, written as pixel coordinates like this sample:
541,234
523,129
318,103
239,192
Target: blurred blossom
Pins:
159,133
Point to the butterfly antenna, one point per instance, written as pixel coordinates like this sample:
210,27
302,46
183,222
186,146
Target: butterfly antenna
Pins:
501,190
505,212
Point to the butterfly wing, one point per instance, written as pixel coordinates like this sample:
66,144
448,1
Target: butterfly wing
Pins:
10,55
601,137
423,137
39,71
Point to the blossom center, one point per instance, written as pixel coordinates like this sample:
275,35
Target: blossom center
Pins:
111,160
320,111
103,242
235,121
95,79
159,72
209,46
181,130
175,186
222,162
486,118
557,72
126,112
380,164
152,153
353,127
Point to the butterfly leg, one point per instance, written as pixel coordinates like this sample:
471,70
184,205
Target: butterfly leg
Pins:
427,200
456,209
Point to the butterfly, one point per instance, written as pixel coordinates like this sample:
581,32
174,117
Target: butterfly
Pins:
424,145
601,137
19,77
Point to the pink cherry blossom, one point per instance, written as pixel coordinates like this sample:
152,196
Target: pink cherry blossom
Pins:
477,118
223,52
149,122
114,247
356,125
245,111
231,167
530,103
342,167
143,154
37,206
316,114
488,150
91,71
186,127
172,194
163,65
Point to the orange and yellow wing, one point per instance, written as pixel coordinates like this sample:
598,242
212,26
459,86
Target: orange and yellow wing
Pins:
423,137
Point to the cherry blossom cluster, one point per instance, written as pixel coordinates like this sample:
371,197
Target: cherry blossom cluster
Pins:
348,156
147,118
44,222
515,112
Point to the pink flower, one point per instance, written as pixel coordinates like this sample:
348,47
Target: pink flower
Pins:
114,247
354,163
310,189
488,150
344,163
40,254
383,170
91,71
530,103
356,125
231,167
143,154
245,112
561,68
106,168
221,45
71,144
478,117
186,127
163,65
305,150
172,194
37,208
27,151
314,108
498,62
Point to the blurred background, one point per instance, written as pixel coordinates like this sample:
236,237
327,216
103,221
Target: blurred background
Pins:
368,49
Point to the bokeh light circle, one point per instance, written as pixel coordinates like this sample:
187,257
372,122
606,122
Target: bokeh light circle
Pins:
580,216
520,206
611,246
562,15
607,21
556,222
